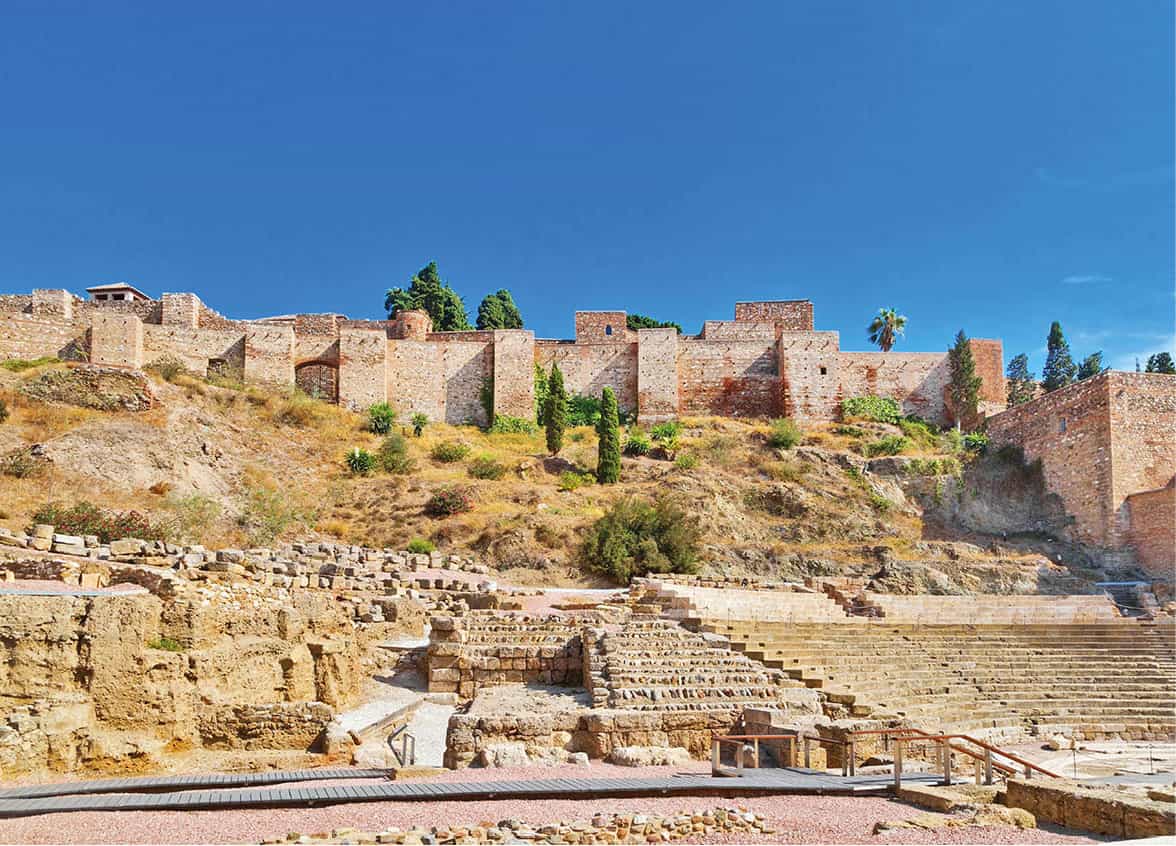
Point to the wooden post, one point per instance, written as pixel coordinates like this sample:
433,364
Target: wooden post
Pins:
715,755
897,763
755,744
947,762
807,753
852,758
979,777
1028,771
988,766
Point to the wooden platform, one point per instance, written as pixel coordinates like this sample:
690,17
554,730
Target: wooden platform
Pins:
190,793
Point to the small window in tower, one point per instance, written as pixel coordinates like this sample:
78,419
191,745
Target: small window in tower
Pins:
608,329
824,371
1062,425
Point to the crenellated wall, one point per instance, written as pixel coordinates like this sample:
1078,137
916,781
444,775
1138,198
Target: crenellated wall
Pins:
766,362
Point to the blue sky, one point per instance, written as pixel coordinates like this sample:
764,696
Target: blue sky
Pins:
990,166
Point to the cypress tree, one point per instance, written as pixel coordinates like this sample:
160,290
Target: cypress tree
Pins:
1059,369
1021,387
965,384
608,462
555,415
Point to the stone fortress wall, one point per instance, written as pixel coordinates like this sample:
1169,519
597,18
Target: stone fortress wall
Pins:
767,362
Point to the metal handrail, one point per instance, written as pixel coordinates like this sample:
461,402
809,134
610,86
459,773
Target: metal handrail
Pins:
406,754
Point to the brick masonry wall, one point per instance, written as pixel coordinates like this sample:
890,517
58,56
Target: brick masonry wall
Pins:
16,303
181,310
441,379
194,347
363,369
269,354
786,315
1152,532
603,327
514,373
1143,440
27,336
734,330
729,378
116,340
1069,431
588,368
917,380
810,375
657,374
53,302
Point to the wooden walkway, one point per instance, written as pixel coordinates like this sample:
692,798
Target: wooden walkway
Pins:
190,793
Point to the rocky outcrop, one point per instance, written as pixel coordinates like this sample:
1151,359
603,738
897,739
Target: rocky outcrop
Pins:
88,386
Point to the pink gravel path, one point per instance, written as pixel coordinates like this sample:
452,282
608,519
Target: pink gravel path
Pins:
798,819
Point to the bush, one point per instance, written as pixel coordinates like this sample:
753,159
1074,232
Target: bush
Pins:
952,440
192,515
167,644
297,409
167,368
393,454
637,443
849,431
420,546
668,431
889,445
485,467
505,425
785,434
360,462
448,452
449,501
381,416
266,514
85,518
19,365
23,464
920,433
946,466
878,409
570,480
583,411
976,442
635,537
419,422
686,461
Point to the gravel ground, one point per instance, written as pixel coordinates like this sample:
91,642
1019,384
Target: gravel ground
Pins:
798,819
41,586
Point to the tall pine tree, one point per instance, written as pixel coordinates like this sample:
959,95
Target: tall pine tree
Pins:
498,311
1161,362
1092,365
427,292
608,457
1059,369
555,415
1019,380
965,384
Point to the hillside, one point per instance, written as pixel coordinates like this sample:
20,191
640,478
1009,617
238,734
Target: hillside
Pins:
226,465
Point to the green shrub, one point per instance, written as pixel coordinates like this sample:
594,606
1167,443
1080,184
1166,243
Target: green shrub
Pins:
570,480
3,411
637,443
267,512
420,546
419,422
448,452
976,442
485,467
583,411
880,503
167,644
889,445
381,416
686,461
191,516
919,432
878,409
506,425
85,518
635,537
360,462
23,464
393,454
947,466
849,431
449,501
19,365
167,368
785,434
952,440
667,431
608,431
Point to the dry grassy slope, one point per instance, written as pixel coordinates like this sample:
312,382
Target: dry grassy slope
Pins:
764,512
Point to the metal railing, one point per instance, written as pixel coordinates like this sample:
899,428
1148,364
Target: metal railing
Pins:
406,754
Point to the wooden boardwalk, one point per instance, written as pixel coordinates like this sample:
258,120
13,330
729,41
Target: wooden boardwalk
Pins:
191,793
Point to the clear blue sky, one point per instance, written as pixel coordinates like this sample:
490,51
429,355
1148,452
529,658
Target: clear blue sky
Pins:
985,165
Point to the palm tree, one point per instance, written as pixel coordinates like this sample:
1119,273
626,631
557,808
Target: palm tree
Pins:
886,328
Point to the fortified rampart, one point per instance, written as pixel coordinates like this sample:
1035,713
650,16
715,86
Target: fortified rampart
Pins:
1107,447
767,362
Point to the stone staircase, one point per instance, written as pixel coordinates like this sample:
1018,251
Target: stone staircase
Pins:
658,665
1094,680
